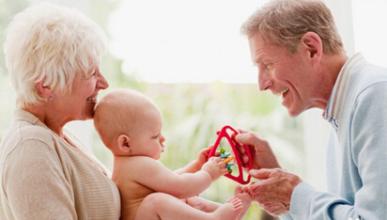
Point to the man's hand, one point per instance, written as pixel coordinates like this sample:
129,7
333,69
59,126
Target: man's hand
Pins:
274,190
260,150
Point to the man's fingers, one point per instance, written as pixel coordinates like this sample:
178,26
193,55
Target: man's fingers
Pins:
258,188
238,189
241,189
242,138
275,209
245,159
261,173
242,150
249,139
241,130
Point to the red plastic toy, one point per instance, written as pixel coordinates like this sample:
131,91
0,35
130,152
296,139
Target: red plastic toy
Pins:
229,133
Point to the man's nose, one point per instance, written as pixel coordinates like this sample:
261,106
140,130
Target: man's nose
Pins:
264,81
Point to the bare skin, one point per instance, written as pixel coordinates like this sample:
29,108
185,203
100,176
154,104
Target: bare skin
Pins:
149,190
164,206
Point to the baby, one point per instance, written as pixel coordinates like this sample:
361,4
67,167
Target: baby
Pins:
130,124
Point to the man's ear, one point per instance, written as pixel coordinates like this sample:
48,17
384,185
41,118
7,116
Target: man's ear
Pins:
44,91
313,45
123,144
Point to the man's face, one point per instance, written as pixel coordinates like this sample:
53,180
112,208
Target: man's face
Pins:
287,74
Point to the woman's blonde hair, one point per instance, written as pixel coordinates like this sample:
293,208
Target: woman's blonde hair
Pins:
51,44
284,22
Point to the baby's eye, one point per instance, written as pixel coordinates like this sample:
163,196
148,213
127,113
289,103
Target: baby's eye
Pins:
156,136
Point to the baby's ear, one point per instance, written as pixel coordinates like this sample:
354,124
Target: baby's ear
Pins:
123,144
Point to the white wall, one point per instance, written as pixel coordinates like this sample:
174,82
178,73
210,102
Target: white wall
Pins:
370,32
343,13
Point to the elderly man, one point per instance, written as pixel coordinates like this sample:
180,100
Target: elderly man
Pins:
300,57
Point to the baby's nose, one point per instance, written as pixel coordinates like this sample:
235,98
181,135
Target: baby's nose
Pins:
162,139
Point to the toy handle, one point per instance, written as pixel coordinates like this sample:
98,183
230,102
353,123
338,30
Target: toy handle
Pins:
224,132
247,149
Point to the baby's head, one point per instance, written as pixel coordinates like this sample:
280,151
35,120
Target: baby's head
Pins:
129,124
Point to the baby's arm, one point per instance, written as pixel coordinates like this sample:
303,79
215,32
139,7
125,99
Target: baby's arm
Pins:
196,164
155,175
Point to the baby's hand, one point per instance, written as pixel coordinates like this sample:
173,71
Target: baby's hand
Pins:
203,157
216,167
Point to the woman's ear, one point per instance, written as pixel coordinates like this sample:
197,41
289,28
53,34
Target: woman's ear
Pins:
123,144
313,45
44,91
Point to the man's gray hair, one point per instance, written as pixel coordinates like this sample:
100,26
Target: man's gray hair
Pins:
284,22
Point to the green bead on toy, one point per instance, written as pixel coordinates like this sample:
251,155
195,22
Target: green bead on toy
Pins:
223,153
229,167
226,156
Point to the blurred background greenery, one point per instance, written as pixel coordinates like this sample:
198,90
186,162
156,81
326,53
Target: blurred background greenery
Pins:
192,112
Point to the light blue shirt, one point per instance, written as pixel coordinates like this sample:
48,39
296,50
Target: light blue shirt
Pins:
356,152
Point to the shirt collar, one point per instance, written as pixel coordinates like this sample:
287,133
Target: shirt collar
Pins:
23,115
332,111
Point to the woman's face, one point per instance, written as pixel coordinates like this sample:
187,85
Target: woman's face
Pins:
79,103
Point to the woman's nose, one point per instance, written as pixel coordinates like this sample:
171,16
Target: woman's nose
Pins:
102,82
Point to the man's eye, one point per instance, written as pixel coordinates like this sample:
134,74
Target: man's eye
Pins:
265,67
269,66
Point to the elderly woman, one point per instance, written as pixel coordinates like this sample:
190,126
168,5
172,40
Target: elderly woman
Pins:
52,55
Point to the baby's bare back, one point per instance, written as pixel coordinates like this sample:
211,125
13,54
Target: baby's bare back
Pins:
125,171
